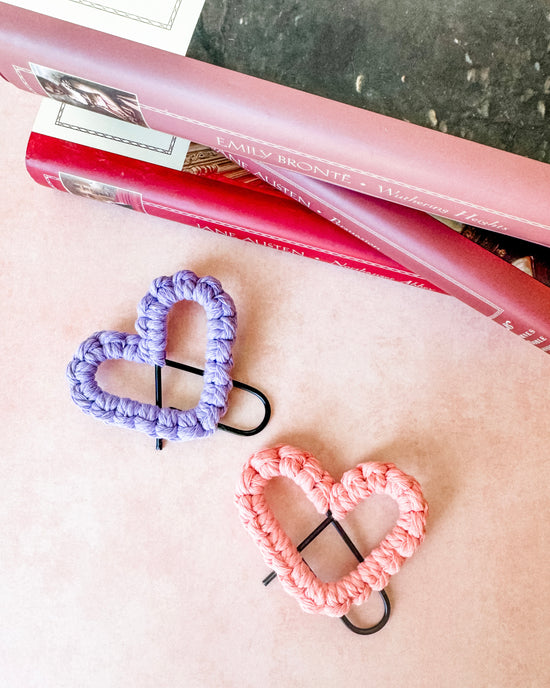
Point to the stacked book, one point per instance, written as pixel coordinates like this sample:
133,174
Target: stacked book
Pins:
406,140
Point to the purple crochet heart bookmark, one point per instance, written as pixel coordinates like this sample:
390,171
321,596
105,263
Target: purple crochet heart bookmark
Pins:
149,346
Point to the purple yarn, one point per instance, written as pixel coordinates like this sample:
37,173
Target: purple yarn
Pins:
149,346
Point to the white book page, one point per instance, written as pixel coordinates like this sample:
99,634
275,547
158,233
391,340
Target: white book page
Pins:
79,125
165,24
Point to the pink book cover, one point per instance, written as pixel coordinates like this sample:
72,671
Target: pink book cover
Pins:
439,107
457,265
212,193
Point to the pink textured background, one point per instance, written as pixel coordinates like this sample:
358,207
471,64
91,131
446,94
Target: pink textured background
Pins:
122,567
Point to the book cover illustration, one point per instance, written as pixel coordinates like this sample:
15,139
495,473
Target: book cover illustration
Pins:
99,191
98,98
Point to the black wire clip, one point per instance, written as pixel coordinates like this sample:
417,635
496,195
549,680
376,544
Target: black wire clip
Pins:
238,385
346,538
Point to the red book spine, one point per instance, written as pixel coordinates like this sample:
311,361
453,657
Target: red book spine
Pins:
347,146
214,204
458,266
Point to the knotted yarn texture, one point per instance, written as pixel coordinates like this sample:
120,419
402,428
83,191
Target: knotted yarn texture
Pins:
357,484
149,346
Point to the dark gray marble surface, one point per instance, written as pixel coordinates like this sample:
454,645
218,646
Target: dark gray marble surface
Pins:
475,69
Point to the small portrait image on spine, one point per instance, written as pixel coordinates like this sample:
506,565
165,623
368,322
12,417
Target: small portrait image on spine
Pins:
88,188
89,95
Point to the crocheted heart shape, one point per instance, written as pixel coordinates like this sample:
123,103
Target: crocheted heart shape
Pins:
357,484
149,346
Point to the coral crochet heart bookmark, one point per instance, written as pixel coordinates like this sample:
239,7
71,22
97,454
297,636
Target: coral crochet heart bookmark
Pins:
148,345
334,500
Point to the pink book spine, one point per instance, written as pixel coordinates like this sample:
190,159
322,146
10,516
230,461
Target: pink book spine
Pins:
249,214
347,146
458,266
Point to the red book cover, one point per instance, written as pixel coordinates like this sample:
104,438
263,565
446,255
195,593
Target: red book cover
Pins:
451,261
215,197
436,106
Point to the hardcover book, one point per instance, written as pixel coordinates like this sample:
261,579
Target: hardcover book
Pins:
457,265
440,106
94,156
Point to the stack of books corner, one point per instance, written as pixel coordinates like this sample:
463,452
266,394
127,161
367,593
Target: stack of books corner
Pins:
407,140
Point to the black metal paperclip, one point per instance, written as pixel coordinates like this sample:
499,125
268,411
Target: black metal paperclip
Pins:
238,385
346,538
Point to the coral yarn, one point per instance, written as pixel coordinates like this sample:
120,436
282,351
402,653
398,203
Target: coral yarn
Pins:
357,484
